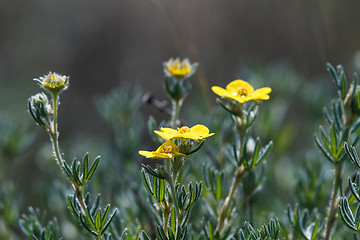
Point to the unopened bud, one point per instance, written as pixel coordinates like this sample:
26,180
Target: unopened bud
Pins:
53,82
40,109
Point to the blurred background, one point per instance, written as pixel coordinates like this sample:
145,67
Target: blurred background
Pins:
113,44
103,44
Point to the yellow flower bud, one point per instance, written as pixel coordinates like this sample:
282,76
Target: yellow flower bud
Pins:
53,82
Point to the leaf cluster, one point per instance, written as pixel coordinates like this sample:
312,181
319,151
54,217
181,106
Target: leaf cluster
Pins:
32,225
309,226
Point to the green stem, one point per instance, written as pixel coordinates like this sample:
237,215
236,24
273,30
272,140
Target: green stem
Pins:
54,134
251,205
167,165
239,173
334,201
175,112
173,196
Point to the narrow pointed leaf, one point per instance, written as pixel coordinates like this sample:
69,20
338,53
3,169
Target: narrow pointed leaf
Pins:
86,166
346,214
323,150
95,205
105,215
146,182
264,152
82,220
144,235
173,219
98,220
218,187
256,153
333,140
93,168
107,224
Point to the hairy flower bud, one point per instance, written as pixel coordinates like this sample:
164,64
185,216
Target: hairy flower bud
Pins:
41,110
53,82
175,68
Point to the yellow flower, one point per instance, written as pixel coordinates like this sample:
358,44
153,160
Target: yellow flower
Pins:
197,132
167,150
53,82
242,91
179,69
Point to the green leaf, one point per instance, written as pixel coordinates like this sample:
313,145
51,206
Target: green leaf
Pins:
333,140
333,74
226,108
353,187
75,173
264,152
327,116
107,224
323,150
144,235
324,137
93,168
197,148
357,217
346,214
150,171
171,234
173,219
98,220
209,179
155,188
343,85
204,172
256,153
210,231
352,153
67,170
90,219
72,206
83,222
315,231
124,233
146,182
161,233
105,215
95,205
218,186
85,166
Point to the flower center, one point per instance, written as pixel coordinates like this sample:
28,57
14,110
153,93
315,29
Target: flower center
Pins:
167,149
183,130
242,92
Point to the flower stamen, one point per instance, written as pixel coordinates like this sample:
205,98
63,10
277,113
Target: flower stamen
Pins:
167,149
242,92
183,129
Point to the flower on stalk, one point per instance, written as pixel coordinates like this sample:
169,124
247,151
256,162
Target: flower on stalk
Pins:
41,110
167,150
242,91
53,82
197,133
179,69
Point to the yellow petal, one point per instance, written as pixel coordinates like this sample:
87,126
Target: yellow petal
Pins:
146,154
261,93
199,131
166,133
221,92
236,84
162,155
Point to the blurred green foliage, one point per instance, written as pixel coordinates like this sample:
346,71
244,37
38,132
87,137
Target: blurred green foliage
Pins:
295,172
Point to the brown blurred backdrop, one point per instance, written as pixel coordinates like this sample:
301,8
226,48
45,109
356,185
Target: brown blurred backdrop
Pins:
102,44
